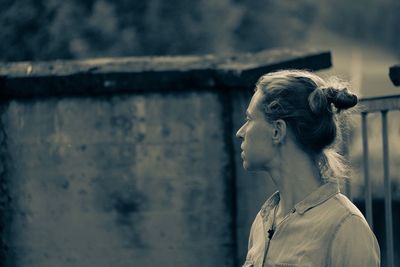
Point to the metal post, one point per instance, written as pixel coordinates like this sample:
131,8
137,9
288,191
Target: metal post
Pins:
367,182
388,196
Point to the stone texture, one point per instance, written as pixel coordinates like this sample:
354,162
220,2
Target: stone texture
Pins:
131,161
144,74
120,181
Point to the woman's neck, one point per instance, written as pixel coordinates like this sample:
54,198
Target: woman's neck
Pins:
295,176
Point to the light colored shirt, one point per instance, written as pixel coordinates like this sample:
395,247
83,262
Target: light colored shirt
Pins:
324,229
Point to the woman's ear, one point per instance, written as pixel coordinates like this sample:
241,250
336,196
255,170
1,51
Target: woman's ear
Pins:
279,131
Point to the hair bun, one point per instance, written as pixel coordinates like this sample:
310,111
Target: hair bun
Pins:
340,98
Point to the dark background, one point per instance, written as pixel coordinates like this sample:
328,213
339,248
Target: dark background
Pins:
51,29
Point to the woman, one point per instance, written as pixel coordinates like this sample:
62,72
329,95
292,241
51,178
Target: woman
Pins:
289,132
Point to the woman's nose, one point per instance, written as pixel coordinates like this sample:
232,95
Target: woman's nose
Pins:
239,133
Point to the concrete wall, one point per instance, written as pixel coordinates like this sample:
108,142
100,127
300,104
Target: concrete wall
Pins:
130,162
118,181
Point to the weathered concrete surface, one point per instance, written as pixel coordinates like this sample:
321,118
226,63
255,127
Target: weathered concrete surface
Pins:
394,74
138,74
120,181
236,62
91,176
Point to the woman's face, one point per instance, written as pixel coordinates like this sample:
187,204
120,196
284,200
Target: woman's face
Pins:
256,134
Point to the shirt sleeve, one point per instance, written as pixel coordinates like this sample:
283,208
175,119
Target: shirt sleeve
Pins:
250,243
354,244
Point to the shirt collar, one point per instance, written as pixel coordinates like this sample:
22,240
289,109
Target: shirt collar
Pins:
269,205
320,195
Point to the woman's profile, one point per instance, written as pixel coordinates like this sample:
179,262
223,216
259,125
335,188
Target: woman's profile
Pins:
290,132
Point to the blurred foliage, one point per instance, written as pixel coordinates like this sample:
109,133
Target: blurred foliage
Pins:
266,24
43,30
374,21
55,29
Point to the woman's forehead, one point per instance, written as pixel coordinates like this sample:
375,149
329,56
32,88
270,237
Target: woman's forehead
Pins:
253,108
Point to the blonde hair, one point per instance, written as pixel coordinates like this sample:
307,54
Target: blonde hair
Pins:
310,105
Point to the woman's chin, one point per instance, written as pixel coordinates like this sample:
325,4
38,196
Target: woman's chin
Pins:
252,168
246,165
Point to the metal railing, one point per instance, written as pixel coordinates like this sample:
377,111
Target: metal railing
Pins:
383,105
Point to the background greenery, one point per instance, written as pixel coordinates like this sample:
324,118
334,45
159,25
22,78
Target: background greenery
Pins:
54,29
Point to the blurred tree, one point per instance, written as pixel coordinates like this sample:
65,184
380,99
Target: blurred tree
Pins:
19,37
271,23
53,29
374,21
42,30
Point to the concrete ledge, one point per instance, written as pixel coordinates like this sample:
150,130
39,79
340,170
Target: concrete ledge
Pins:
394,74
140,74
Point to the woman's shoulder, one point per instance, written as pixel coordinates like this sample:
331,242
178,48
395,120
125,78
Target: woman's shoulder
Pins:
353,242
344,205
337,214
333,212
